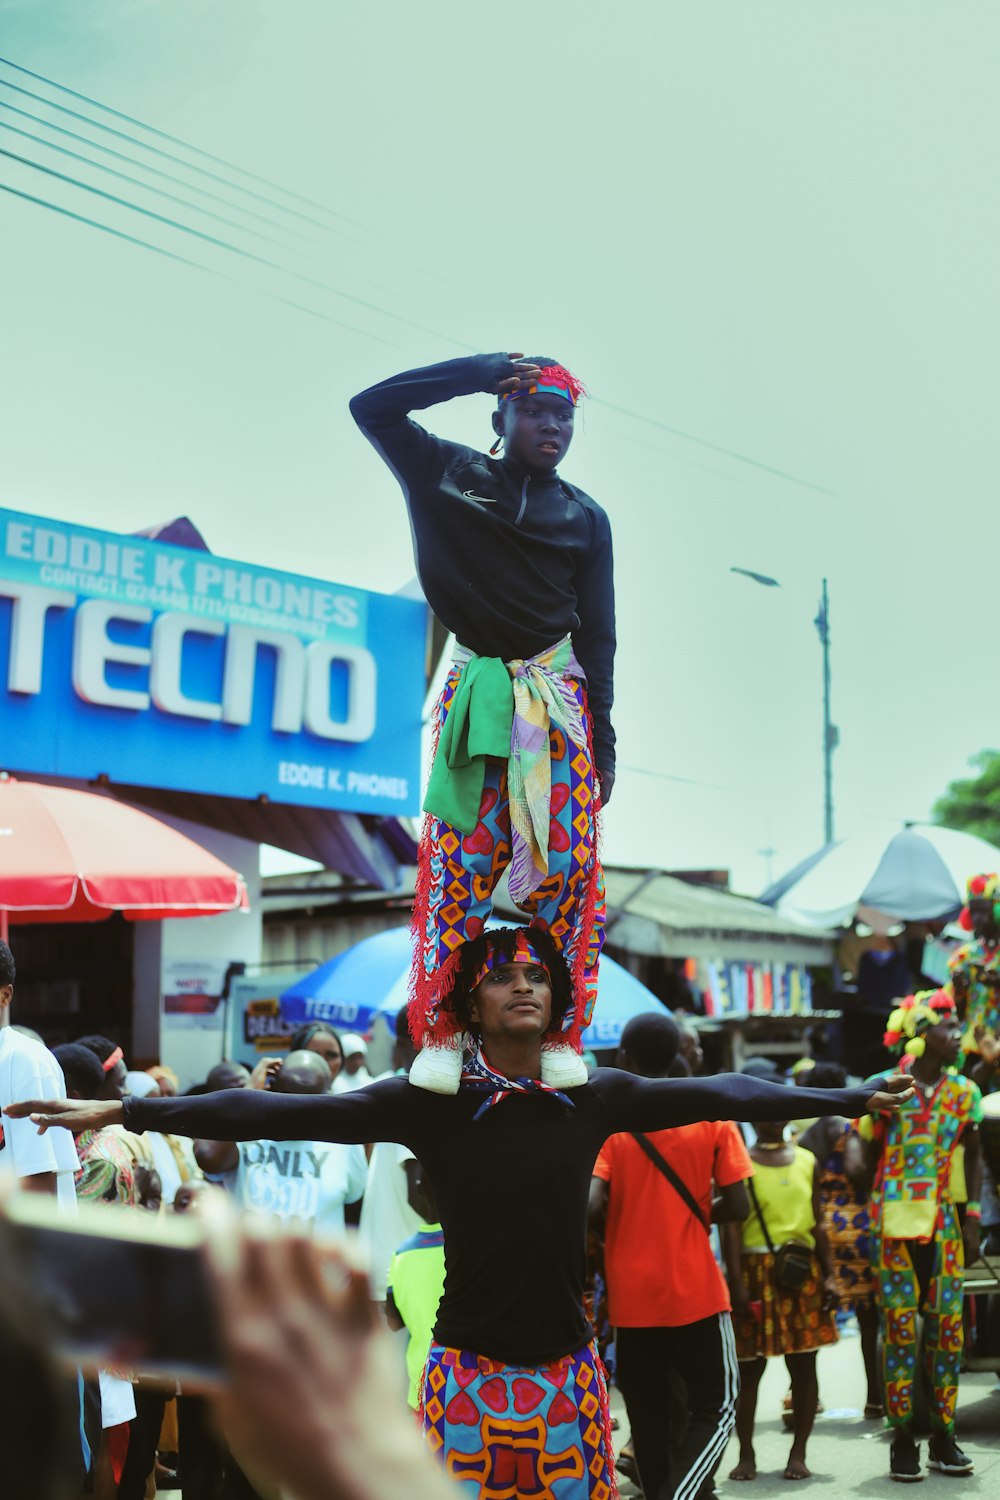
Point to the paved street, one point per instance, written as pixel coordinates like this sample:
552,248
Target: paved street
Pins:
847,1455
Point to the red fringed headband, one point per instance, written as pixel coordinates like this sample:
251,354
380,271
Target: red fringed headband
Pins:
553,380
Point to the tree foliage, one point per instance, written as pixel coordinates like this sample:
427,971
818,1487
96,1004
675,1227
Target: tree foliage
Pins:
972,804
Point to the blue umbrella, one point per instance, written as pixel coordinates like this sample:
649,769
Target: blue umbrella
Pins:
371,979
349,989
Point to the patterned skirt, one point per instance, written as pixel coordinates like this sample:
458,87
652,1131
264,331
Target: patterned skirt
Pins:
845,1218
511,1432
789,1322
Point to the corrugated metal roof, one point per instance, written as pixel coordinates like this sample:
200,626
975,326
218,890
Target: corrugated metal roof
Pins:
652,913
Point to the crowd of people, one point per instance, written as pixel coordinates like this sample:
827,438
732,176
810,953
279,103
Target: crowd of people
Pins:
135,1141
710,1221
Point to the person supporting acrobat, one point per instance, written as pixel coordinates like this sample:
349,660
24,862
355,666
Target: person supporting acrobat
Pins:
517,563
514,1400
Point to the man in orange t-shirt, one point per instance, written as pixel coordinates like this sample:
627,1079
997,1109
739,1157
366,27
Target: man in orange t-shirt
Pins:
667,1297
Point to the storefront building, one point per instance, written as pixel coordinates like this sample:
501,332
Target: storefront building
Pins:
242,704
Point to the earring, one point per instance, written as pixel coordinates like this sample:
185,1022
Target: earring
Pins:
497,445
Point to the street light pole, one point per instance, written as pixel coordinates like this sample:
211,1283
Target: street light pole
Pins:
831,734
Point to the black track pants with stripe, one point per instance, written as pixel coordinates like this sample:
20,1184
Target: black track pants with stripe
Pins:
653,1365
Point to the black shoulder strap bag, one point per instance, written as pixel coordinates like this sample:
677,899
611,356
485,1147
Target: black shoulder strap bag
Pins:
668,1172
792,1261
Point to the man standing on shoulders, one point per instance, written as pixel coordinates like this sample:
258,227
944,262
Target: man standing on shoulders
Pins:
668,1301
919,1250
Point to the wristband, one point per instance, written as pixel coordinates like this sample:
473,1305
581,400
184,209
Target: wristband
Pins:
973,1210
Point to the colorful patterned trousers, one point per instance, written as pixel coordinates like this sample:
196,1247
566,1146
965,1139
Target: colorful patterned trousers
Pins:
459,873
916,1277
507,1433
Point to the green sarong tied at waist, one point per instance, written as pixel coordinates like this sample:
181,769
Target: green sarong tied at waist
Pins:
507,710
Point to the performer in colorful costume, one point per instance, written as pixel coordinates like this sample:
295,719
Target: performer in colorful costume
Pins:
919,1249
517,563
975,967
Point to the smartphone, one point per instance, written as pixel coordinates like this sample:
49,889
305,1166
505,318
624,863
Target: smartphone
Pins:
116,1286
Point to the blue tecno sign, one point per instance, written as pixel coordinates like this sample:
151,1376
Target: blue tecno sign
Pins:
160,666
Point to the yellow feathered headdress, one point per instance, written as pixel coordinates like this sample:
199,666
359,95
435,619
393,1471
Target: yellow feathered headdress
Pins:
914,1015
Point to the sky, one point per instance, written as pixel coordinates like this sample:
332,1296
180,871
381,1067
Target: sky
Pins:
763,234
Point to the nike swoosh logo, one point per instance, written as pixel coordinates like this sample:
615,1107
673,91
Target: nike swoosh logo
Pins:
484,499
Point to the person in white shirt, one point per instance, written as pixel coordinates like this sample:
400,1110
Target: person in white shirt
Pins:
354,1074
40,1164
387,1219
306,1181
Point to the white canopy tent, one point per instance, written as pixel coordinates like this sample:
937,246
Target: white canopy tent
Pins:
918,875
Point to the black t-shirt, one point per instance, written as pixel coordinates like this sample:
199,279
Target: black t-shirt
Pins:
511,1187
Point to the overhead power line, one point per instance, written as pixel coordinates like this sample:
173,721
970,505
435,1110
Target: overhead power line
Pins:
145,187
119,234
144,166
166,155
714,786
733,454
175,140
211,239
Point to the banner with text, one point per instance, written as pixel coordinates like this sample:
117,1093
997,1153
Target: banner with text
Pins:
166,667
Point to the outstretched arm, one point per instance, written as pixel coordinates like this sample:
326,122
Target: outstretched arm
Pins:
375,1113
657,1103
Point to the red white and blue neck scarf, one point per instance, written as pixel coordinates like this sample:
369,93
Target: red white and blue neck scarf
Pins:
477,1074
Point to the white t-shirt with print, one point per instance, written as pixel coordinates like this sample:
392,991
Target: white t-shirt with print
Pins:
29,1071
305,1180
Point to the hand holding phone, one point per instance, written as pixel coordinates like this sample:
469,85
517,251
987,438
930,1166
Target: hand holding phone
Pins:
312,1372
119,1286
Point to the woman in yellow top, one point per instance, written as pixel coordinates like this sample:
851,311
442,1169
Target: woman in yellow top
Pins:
767,1319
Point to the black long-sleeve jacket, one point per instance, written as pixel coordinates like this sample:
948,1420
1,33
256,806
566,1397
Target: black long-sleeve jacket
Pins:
510,561
511,1187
